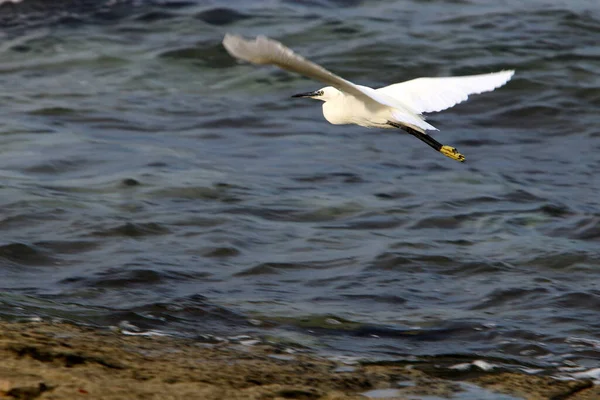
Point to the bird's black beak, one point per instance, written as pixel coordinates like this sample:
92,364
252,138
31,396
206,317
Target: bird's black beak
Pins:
309,94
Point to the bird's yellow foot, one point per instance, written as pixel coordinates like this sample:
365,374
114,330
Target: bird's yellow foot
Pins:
452,153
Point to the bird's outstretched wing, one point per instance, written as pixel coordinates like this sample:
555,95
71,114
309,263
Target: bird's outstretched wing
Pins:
263,50
427,95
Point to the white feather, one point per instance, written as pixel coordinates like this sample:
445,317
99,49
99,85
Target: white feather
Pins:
263,50
427,95
402,103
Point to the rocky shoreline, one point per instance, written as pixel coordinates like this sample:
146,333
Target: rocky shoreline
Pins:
42,360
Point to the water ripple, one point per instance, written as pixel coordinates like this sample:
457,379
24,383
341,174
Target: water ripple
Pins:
147,176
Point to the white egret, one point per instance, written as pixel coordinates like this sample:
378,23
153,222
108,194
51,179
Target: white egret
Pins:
400,105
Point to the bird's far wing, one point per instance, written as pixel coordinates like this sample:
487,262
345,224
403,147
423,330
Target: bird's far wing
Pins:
436,94
263,50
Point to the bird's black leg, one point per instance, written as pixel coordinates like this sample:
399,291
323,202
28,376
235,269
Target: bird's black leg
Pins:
448,151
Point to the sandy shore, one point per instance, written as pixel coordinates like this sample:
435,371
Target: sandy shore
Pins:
61,361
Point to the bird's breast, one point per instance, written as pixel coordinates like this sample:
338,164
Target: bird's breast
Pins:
349,110
335,114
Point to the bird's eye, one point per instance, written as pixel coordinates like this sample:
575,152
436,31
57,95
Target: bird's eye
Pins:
320,93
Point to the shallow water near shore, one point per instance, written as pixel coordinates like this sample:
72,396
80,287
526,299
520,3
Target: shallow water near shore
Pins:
59,361
148,177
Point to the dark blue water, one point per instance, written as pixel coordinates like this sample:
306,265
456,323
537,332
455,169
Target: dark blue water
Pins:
148,177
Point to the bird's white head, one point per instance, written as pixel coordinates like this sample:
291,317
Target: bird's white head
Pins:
325,94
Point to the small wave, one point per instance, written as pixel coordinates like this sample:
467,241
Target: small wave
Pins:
129,276
221,16
134,230
280,267
331,177
389,260
25,254
321,214
30,13
585,228
507,297
589,231
375,298
68,246
155,15
579,300
273,268
221,252
369,223
57,166
53,111
196,193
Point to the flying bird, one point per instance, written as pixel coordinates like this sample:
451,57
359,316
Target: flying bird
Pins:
400,105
